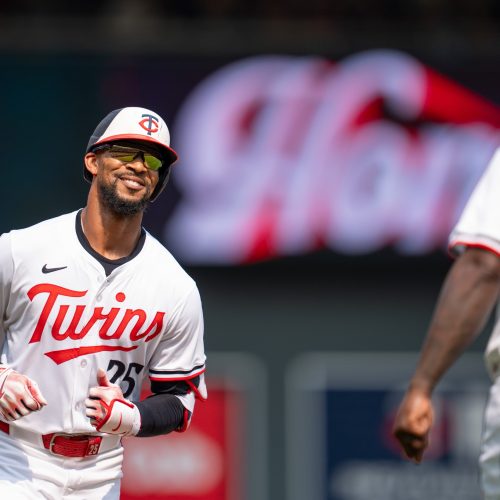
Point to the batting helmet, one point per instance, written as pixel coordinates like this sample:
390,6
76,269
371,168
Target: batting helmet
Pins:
132,125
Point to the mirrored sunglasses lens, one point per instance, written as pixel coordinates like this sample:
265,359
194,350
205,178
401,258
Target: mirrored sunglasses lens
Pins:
152,162
124,157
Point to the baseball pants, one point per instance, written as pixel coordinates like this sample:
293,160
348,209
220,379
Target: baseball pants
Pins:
489,459
29,472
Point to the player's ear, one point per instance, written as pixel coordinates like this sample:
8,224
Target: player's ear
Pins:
90,160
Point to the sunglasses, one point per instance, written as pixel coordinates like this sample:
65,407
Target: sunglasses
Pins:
128,155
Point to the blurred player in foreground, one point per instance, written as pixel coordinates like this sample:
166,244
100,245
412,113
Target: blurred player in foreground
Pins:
469,293
90,304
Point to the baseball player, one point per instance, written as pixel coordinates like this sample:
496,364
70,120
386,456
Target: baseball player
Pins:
467,298
91,304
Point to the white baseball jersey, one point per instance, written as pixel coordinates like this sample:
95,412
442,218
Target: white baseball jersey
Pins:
479,226
63,318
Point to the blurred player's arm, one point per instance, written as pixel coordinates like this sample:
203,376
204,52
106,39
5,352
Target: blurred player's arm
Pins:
467,298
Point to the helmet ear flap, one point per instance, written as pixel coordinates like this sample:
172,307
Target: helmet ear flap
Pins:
162,182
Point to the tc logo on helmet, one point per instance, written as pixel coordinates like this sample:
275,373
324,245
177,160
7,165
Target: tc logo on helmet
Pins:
149,123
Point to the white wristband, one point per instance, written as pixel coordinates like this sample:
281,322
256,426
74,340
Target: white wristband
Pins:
136,425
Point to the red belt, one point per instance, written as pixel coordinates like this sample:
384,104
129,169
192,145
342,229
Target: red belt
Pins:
67,445
72,446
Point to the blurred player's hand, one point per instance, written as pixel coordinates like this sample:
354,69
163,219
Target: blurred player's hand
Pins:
19,395
109,411
413,423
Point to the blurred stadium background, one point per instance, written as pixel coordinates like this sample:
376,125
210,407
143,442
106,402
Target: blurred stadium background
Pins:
326,150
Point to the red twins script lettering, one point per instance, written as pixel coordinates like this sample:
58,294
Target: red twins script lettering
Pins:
136,318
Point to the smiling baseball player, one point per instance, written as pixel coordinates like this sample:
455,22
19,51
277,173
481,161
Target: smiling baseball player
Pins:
90,304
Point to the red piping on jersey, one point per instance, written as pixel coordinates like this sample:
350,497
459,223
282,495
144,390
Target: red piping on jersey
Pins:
187,380
196,391
185,421
175,379
64,355
481,246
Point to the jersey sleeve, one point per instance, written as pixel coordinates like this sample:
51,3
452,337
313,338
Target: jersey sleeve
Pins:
180,354
479,224
6,274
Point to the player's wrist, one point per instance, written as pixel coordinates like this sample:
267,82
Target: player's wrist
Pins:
136,422
4,373
122,418
422,386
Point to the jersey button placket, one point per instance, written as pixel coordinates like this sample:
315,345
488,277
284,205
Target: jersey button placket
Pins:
103,286
83,366
79,381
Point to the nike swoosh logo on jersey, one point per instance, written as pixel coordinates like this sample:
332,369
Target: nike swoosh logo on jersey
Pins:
46,270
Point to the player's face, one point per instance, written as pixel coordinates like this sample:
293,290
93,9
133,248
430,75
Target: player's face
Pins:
125,182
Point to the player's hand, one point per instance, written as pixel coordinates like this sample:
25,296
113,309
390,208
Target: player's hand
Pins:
19,395
413,423
109,411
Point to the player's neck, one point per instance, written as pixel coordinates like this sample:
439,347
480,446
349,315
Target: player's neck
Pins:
111,235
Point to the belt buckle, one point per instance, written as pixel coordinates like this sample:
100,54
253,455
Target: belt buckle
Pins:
52,441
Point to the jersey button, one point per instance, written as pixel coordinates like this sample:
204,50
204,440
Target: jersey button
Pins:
83,363
78,406
98,298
